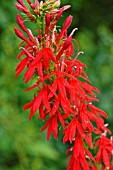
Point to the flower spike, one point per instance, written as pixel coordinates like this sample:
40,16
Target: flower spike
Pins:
63,94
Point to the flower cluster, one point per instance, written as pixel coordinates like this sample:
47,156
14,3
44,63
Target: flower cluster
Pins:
64,95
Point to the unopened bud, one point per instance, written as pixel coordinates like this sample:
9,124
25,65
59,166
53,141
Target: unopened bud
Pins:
19,34
47,19
36,3
67,23
29,2
35,11
32,6
56,4
20,2
21,8
21,23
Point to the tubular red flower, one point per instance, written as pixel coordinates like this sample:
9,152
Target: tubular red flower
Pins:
21,8
21,2
21,23
66,25
36,3
65,46
105,151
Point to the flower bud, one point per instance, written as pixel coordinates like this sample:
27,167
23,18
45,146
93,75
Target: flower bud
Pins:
21,23
35,12
67,23
36,3
29,2
48,19
56,4
19,34
32,6
21,8
20,2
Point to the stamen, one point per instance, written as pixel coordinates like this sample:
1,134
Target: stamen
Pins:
106,124
34,46
21,48
80,52
90,102
73,31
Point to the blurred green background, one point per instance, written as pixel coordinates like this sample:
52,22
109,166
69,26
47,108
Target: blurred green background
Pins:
22,145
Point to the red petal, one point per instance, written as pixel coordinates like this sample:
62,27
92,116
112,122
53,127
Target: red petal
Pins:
55,106
61,119
72,131
41,112
28,105
61,88
99,111
39,69
36,105
46,100
106,158
55,127
28,74
21,66
46,125
53,89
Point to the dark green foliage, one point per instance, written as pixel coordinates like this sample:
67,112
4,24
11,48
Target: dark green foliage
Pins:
22,145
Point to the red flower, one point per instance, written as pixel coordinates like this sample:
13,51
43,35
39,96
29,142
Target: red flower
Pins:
52,125
42,59
66,25
105,151
36,102
72,130
78,160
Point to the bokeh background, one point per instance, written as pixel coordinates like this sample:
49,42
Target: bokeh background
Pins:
22,145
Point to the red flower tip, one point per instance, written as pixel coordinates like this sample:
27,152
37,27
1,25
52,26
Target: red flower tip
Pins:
20,2
21,8
36,3
29,2
67,23
48,19
19,34
21,23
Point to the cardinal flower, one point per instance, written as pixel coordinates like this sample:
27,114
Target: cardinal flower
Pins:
78,160
105,150
64,96
52,125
